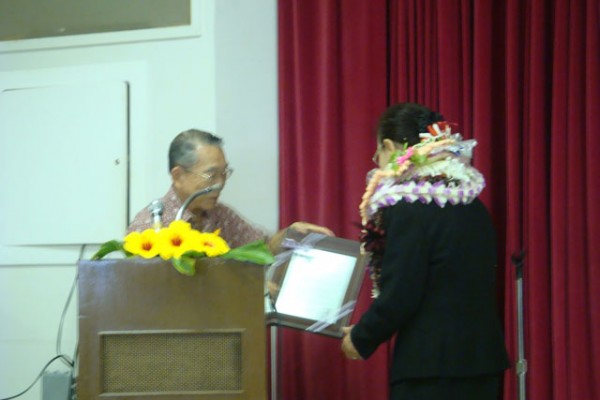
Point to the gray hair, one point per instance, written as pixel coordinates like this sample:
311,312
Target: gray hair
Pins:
183,148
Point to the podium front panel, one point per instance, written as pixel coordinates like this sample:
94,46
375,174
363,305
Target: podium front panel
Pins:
147,331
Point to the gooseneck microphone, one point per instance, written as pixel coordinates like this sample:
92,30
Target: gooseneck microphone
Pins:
200,192
156,211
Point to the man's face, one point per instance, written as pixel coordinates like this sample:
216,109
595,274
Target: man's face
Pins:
211,163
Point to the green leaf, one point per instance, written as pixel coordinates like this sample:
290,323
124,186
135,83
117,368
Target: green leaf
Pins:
394,156
107,248
185,265
255,252
418,159
194,254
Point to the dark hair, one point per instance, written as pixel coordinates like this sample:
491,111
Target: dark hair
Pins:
402,123
183,148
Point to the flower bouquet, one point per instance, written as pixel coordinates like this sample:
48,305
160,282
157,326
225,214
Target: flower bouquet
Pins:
183,245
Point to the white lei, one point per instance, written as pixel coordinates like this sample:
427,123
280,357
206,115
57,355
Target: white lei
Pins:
445,176
464,184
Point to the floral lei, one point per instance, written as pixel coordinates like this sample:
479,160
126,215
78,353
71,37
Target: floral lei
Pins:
436,169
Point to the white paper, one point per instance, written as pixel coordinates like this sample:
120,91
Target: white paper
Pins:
315,284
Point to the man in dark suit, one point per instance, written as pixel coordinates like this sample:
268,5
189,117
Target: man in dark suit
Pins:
434,258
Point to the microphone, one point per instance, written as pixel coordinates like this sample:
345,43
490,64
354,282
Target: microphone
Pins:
156,210
200,192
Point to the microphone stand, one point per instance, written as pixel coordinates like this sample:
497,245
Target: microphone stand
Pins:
521,365
193,196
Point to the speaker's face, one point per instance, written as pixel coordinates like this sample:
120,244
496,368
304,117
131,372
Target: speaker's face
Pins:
211,169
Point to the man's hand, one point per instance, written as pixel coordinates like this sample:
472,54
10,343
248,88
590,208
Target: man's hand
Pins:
347,345
300,227
272,288
305,227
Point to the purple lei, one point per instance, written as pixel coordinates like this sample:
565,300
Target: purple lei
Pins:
426,189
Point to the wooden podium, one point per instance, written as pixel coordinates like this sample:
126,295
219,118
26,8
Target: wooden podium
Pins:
148,332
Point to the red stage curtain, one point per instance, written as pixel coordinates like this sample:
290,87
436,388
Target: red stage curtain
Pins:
565,278
332,83
522,77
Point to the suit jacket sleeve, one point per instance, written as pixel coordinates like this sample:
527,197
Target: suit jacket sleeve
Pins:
403,280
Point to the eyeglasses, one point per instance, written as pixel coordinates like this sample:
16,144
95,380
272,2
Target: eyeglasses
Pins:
210,177
375,158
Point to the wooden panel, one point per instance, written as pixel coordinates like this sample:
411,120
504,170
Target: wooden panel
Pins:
148,297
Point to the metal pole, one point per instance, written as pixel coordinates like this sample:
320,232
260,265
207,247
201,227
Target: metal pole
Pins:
274,364
521,364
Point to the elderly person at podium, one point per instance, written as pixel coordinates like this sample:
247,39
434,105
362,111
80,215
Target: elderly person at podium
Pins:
197,162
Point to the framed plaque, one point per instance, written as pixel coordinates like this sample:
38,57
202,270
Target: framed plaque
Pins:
34,24
316,286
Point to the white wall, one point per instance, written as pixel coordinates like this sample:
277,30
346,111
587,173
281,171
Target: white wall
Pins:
223,81
246,102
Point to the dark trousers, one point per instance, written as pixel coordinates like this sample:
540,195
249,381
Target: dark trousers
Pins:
486,387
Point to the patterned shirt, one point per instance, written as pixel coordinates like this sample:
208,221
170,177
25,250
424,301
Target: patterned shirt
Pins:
234,228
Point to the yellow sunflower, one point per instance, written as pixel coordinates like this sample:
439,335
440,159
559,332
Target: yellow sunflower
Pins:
175,240
145,244
210,244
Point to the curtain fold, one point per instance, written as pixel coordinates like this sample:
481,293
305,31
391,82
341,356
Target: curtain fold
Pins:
332,83
523,79
573,212
592,192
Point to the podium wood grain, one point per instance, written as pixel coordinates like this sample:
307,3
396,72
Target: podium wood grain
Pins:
146,331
